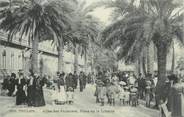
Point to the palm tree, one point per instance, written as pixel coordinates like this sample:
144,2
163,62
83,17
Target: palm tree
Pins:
85,30
150,20
36,21
173,58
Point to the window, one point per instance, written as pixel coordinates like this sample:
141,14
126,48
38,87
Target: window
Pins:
12,60
19,62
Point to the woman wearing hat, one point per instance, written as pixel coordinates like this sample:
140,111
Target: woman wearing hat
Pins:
11,87
38,84
20,85
61,91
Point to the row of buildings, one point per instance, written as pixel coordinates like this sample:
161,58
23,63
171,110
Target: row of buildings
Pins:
15,56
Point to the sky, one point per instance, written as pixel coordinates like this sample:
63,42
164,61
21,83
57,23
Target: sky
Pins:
101,13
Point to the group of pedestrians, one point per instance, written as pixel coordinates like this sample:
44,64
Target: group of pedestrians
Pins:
28,90
64,86
125,87
111,88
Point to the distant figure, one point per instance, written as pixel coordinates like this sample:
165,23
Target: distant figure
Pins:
102,93
58,91
111,91
89,79
61,91
75,78
133,96
30,90
5,83
11,86
126,95
148,93
141,86
81,81
84,80
70,95
93,78
69,81
122,93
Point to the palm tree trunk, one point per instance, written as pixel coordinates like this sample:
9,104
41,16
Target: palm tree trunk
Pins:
150,58
162,61
173,58
34,59
92,63
41,66
144,62
139,65
60,59
76,54
85,62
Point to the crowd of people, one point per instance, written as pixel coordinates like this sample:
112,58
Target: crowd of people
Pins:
123,88
126,88
113,87
28,89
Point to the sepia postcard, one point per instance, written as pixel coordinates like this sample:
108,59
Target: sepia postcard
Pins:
92,58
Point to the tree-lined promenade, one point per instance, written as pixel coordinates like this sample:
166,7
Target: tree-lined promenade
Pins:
138,27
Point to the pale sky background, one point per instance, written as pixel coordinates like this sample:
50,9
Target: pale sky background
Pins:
101,13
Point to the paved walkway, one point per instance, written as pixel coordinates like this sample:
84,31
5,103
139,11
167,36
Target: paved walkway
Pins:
83,106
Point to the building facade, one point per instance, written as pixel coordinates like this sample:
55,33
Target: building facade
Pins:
15,56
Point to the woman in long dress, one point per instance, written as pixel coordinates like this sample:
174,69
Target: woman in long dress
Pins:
38,84
30,91
20,90
61,95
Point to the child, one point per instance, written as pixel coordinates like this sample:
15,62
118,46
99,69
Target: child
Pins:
122,95
126,96
148,93
148,96
102,93
108,84
111,94
70,95
133,96
122,92
98,83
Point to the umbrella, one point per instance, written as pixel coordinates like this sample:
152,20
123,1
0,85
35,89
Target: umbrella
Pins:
148,82
122,83
99,82
134,90
126,88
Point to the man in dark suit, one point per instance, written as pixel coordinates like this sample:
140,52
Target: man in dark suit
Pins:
75,78
69,81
